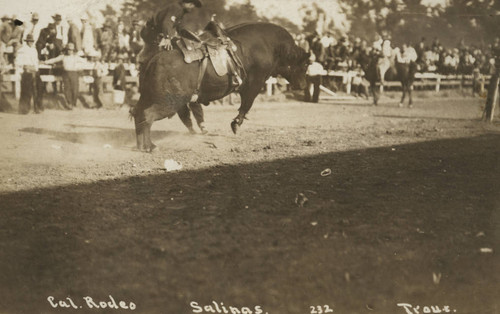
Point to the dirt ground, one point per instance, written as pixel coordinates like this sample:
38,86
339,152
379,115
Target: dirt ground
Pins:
409,214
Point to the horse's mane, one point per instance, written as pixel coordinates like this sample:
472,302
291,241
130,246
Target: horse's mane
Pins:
288,51
285,50
235,27
146,68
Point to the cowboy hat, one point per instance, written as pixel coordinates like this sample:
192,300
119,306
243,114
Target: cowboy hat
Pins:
29,38
57,17
197,3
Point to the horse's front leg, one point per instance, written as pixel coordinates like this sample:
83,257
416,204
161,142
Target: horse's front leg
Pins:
404,86
238,120
248,93
373,87
410,102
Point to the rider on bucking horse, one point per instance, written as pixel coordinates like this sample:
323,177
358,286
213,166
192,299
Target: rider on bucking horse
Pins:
166,25
158,34
163,27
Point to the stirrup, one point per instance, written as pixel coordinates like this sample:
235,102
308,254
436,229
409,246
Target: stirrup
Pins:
236,80
194,97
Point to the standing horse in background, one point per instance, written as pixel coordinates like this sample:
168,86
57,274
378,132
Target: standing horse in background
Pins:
379,72
168,83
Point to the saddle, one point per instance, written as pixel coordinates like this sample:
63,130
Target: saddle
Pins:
213,44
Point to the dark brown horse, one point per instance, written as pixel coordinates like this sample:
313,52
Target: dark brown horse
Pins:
168,83
402,72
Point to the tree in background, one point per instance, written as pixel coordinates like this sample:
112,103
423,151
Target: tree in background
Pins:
475,21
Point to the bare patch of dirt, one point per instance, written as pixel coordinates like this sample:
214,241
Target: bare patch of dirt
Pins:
412,197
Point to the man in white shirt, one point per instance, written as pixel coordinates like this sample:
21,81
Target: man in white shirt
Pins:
32,28
99,70
384,63
327,40
313,79
407,56
27,63
88,38
72,64
377,44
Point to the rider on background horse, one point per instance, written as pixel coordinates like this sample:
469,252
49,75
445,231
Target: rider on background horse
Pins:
382,47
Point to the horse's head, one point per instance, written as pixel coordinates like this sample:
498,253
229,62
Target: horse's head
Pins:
295,66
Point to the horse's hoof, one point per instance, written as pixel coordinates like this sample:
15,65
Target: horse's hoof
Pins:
234,126
139,148
192,131
151,148
400,105
410,106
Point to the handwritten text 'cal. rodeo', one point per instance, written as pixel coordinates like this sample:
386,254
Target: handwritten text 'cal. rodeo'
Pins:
90,303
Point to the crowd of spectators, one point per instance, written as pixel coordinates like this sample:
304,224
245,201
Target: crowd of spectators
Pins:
346,53
111,40
67,48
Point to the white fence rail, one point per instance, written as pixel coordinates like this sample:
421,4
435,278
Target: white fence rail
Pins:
422,80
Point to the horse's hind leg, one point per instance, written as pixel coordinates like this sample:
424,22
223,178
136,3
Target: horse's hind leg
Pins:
151,114
149,146
185,116
140,123
143,133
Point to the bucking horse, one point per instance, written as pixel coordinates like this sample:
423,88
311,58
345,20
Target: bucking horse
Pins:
378,72
172,79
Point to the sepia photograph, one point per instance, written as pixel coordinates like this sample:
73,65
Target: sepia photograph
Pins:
250,156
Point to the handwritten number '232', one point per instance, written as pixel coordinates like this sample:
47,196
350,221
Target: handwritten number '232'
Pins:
320,309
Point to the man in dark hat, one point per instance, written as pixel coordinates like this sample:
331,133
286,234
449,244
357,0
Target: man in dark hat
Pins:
119,74
136,41
33,28
106,38
5,29
45,45
61,39
31,85
165,25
